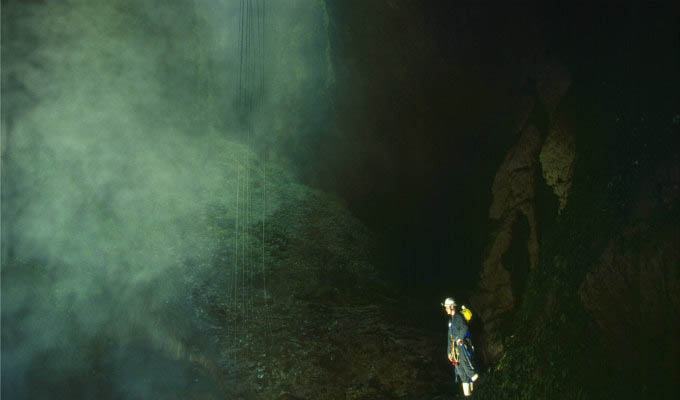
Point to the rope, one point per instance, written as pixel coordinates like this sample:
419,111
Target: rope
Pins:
251,89
240,47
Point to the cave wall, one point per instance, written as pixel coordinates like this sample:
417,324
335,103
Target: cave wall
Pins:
610,260
543,149
428,97
600,298
631,292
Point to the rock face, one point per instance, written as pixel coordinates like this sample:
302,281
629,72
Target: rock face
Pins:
609,270
632,291
557,160
513,199
514,184
633,294
513,250
552,82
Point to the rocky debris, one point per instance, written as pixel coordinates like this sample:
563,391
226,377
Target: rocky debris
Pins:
557,161
327,327
325,351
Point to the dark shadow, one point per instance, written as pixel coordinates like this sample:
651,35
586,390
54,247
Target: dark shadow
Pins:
516,258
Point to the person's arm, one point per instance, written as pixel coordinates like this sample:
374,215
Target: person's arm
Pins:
450,342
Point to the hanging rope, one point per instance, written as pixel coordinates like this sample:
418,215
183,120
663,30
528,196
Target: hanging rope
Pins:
251,86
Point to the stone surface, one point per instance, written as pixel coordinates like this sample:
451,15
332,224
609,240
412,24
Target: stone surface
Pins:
514,192
552,82
513,197
632,292
661,191
557,161
525,106
514,186
633,295
514,181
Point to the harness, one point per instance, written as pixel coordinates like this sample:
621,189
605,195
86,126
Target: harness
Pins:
467,348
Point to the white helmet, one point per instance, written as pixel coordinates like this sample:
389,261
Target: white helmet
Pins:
449,302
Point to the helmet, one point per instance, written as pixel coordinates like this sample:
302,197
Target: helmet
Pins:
449,302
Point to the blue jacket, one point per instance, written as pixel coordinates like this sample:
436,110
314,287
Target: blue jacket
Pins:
458,329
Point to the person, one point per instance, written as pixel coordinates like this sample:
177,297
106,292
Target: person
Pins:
458,350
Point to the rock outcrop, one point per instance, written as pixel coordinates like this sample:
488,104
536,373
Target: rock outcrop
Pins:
557,161
550,154
513,198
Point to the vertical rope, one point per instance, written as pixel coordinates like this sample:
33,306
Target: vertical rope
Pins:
247,164
234,274
240,47
247,288
262,36
251,81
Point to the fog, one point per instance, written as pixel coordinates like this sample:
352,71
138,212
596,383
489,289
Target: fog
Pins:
128,129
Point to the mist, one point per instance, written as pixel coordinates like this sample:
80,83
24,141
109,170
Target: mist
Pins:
140,142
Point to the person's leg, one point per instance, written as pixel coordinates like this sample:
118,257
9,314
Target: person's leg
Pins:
468,350
466,389
465,366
